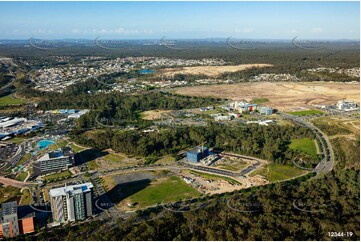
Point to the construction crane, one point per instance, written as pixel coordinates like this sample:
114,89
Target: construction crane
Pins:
202,144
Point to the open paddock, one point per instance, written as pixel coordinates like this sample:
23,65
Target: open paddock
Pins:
211,71
285,96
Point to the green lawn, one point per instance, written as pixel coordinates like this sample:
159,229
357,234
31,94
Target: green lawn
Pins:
307,112
7,193
166,160
15,140
113,157
22,176
11,100
24,159
76,148
276,172
304,145
57,175
260,100
61,143
26,197
92,165
169,189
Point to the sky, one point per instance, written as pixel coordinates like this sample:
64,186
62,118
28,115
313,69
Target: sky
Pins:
179,20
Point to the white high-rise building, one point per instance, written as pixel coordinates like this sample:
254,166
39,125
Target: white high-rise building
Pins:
72,203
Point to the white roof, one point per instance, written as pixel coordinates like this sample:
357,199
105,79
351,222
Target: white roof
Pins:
62,191
12,122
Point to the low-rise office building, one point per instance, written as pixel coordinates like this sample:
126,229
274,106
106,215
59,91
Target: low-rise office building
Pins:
198,153
54,161
266,110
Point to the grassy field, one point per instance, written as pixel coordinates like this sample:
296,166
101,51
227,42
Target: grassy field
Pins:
168,189
275,172
338,125
76,148
285,122
215,177
57,175
7,193
11,100
228,167
153,114
166,160
260,100
92,165
307,112
15,140
22,176
24,159
61,143
212,111
113,157
344,134
26,197
304,145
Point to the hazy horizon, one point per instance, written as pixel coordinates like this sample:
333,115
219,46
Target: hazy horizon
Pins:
180,20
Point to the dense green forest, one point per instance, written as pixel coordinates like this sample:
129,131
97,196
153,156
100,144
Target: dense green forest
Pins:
284,54
269,143
115,105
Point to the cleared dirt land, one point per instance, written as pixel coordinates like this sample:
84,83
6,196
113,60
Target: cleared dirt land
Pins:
153,114
211,71
285,96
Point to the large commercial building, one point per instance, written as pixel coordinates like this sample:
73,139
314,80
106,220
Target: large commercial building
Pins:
12,225
197,153
345,105
244,106
72,203
54,161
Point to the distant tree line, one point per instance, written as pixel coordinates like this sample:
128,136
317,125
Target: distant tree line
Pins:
285,56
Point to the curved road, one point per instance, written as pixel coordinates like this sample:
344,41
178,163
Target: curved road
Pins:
327,163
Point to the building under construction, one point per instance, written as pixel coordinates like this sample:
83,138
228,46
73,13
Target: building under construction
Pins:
198,153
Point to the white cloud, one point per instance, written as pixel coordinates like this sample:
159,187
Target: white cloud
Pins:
316,30
18,31
119,30
245,30
42,31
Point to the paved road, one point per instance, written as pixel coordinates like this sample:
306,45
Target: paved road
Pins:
327,163
19,154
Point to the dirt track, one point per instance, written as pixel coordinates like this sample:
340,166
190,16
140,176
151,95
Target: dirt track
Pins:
285,96
14,183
